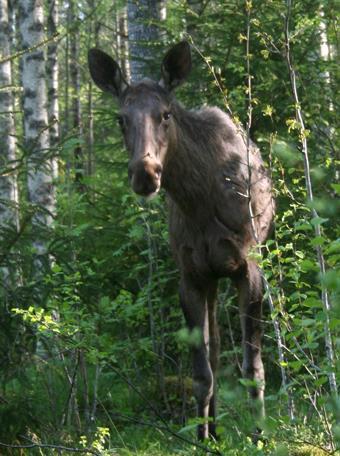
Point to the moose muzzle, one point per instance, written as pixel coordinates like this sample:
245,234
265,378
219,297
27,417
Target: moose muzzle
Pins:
145,176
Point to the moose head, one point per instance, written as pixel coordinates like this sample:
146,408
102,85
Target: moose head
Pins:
145,116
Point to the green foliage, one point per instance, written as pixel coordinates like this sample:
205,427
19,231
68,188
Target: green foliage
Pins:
91,359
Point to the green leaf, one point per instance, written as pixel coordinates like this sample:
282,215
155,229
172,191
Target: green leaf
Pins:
318,240
320,381
308,322
303,227
336,187
318,221
312,302
308,265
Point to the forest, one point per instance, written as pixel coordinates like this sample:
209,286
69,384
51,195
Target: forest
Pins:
95,354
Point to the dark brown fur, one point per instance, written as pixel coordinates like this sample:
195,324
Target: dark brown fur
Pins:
200,159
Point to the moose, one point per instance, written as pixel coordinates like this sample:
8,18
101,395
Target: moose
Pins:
219,196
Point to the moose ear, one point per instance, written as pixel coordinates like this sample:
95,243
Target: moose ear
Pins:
176,65
106,73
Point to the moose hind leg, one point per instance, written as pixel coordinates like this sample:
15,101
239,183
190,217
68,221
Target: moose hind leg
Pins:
249,285
194,305
214,352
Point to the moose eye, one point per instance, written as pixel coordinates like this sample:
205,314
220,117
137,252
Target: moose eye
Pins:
166,115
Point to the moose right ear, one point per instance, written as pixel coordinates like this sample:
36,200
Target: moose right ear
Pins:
106,73
176,66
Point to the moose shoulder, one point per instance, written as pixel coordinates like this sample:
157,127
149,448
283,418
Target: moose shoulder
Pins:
200,158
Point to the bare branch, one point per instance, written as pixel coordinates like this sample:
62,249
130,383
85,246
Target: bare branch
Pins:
48,445
276,323
42,43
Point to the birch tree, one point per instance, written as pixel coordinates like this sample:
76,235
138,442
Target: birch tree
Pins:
122,42
75,87
141,33
39,165
326,54
53,80
8,181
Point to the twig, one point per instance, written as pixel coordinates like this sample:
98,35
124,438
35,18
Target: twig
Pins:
157,414
231,335
31,49
18,234
276,323
310,198
49,445
212,71
72,381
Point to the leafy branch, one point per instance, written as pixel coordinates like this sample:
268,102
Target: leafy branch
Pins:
317,228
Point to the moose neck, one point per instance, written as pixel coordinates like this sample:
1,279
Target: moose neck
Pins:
186,168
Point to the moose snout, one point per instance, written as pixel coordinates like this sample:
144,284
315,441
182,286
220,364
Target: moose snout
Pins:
145,177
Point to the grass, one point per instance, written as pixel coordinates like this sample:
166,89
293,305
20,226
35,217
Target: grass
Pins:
126,426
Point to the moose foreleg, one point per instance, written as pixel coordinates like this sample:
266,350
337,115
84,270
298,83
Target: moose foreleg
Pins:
194,305
249,285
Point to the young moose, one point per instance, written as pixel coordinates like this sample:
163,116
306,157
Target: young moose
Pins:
200,158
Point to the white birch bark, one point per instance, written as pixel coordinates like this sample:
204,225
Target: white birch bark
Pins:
326,51
162,14
122,42
53,81
141,35
9,217
326,54
40,169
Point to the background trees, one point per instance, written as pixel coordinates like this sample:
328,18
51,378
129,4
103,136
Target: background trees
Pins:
91,333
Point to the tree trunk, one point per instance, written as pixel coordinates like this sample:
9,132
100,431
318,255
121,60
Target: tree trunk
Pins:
75,86
162,13
53,81
330,87
9,217
122,42
141,36
39,165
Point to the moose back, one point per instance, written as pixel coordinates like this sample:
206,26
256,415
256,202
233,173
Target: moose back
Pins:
219,194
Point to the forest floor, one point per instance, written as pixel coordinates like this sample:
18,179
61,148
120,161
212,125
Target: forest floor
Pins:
155,443
133,425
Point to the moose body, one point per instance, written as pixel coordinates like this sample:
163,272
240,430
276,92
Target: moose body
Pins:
219,194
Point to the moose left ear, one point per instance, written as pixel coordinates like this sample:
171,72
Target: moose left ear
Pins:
176,66
106,73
